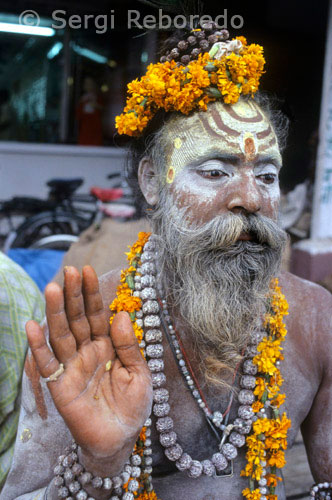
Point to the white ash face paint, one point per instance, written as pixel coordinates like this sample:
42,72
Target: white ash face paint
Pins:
240,129
208,165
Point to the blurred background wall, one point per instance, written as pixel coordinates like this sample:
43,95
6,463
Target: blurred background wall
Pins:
45,80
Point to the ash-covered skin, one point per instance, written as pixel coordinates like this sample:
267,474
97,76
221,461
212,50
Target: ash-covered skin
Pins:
214,156
308,387
214,173
307,367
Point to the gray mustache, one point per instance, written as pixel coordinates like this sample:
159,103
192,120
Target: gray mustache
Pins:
223,232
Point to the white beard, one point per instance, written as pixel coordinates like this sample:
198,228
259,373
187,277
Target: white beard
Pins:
218,284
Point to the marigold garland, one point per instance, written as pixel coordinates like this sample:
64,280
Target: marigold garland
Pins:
183,88
268,439
125,301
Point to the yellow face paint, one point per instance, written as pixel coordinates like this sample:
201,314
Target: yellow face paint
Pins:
170,175
177,143
240,129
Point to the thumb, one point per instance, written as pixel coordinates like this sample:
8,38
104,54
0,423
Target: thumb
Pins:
124,341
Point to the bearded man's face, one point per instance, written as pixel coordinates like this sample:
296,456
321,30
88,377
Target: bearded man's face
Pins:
220,244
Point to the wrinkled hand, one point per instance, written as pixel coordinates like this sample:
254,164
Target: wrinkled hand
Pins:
103,408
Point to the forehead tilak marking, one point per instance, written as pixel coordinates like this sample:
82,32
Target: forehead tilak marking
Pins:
241,120
245,112
249,146
217,130
242,127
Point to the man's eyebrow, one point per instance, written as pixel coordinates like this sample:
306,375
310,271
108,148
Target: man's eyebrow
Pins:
269,159
217,155
234,159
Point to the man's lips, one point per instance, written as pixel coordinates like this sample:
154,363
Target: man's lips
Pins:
245,237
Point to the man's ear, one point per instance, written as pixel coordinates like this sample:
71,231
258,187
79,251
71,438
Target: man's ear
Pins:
148,180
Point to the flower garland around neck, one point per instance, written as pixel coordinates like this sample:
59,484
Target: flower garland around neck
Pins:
126,301
174,87
267,442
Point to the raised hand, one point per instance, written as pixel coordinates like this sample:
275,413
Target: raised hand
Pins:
104,393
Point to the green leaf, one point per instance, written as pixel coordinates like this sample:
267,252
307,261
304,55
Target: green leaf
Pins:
213,92
276,413
228,73
213,51
210,67
143,103
130,281
264,397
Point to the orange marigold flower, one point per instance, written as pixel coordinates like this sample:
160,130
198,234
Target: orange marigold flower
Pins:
256,406
242,39
277,459
272,480
174,88
260,387
278,400
125,301
251,495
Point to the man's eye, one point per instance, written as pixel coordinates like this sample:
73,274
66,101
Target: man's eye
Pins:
268,178
209,174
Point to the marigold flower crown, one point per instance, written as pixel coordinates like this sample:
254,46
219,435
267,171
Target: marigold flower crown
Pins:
230,69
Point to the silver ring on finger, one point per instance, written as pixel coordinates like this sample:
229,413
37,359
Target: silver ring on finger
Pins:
54,376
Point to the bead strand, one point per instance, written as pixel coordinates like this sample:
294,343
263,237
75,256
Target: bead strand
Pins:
235,433
321,491
71,478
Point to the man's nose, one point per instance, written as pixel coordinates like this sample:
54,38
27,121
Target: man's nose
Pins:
244,197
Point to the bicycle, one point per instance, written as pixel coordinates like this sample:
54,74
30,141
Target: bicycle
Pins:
58,221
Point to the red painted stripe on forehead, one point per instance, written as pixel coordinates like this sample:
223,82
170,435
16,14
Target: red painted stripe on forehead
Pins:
264,133
271,143
254,119
213,133
219,123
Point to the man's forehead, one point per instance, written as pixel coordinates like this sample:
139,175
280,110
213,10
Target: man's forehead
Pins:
240,129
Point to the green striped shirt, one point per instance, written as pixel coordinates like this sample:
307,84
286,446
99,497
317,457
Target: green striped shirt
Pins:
20,300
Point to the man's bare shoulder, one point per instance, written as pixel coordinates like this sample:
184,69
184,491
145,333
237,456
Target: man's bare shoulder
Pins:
299,291
310,308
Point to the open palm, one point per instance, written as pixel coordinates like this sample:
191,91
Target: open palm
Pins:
104,394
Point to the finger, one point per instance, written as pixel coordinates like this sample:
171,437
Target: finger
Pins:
44,357
74,305
125,342
62,341
93,303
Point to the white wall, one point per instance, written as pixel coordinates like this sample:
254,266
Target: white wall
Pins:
25,168
321,221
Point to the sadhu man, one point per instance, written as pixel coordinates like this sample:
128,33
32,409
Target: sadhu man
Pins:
214,358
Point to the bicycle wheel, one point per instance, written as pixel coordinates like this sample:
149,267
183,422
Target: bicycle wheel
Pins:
40,228
55,242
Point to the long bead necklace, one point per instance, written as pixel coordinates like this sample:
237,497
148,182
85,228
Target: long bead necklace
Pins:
215,419
233,434
260,387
